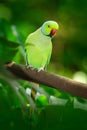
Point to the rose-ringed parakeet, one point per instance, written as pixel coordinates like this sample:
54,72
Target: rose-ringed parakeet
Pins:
38,45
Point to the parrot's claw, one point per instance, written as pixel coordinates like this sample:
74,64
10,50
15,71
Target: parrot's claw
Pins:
29,66
38,70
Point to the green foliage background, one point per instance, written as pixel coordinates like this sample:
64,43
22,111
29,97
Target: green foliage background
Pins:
69,58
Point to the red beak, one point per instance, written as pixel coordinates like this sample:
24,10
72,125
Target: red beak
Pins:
53,31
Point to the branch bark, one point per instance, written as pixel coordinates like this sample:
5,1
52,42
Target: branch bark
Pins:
51,80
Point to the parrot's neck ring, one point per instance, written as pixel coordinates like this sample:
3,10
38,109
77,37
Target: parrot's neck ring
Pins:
45,34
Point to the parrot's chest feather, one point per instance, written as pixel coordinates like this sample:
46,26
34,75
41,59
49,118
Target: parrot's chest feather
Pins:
40,40
43,43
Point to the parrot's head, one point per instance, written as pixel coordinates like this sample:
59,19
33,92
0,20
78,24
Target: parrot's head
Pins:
49,28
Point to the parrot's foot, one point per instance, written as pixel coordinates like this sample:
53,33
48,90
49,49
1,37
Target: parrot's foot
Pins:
29,66
39,69
32,68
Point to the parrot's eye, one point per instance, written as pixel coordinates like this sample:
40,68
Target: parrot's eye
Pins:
48,26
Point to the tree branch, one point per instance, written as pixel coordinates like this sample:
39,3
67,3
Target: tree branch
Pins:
51,80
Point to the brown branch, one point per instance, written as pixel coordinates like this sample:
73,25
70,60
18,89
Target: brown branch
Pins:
51,80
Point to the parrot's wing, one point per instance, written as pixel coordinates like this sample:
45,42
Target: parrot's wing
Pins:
48,60
49,57
27,45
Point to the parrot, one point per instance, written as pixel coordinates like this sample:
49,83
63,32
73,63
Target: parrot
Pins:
38,46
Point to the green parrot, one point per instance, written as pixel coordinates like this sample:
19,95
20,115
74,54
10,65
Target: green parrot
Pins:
38,46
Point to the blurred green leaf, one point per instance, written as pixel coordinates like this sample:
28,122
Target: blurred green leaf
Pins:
6,30
8,50
8,45
41,101
53,117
